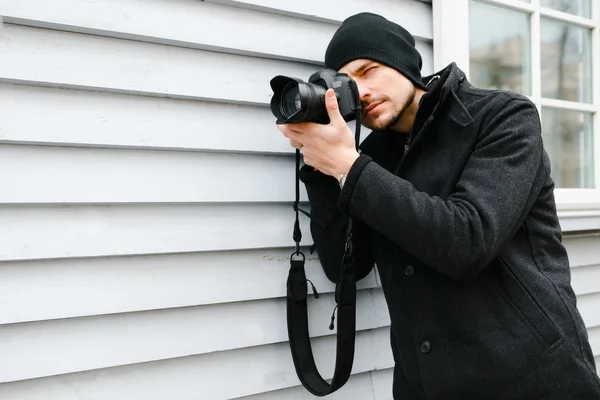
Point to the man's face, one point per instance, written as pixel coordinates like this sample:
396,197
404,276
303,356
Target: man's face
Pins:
385,93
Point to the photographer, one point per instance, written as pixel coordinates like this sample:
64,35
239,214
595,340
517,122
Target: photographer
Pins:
451,198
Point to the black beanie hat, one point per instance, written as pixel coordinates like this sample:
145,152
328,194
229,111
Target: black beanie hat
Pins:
371,36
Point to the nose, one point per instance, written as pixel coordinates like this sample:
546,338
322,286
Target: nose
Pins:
363,91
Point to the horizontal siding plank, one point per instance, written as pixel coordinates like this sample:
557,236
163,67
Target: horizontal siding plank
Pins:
126,66
94,230
36,232
594,336
191,23
383,383
84,175
100,63
83,344
586,280
579,221
588,306
220,375
416,17
86,118
357,387
53,232
426,51
80,344
583,249
104,285
366,386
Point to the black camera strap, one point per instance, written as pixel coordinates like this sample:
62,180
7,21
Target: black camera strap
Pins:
297,307
297,314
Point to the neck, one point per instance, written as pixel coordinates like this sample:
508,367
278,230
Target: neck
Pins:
406,119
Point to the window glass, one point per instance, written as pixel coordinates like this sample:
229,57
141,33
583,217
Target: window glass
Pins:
577,7
499,41
566,52
569,142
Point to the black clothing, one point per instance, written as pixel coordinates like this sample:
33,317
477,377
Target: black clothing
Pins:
464,232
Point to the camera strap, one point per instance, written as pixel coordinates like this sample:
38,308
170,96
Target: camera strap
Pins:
297,313
345,298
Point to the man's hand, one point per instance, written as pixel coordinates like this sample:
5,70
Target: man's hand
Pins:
328,148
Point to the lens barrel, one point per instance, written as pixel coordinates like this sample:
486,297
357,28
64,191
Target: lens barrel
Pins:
296,101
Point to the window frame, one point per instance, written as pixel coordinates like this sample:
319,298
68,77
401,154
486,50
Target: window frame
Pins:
451,44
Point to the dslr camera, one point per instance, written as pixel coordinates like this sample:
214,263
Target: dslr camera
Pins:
297,101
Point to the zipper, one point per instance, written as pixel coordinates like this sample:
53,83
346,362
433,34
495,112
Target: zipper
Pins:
410,145
407,146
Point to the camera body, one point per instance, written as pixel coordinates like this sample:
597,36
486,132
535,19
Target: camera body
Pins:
296,101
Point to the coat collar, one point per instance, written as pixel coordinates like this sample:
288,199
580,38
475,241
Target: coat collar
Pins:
443,86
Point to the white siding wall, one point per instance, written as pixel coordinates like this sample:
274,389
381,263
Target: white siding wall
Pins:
584,253
145,210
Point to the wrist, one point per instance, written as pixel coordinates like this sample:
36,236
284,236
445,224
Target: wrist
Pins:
344,167
352,181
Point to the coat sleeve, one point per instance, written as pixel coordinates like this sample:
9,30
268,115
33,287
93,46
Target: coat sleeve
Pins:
328,226
461,234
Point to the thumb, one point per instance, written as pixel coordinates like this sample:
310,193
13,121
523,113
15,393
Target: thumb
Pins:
332,108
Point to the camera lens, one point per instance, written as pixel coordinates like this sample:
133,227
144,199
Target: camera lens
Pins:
295,101
290,100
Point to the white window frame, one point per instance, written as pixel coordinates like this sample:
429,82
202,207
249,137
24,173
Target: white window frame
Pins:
579,209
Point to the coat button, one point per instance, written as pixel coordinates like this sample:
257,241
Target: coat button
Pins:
409,270
425,347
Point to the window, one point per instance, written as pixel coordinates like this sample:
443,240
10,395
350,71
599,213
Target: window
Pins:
548,50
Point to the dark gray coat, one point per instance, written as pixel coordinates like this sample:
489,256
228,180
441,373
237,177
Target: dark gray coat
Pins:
467,243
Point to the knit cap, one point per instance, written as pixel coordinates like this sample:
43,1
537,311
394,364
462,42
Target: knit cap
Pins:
371,36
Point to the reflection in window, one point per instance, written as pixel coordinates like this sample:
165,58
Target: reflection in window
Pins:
566,61
577,7
569,142
499,48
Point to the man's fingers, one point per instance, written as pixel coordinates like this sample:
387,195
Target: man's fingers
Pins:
332,108
303,128
289,132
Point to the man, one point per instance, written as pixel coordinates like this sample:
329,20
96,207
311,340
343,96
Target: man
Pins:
451,198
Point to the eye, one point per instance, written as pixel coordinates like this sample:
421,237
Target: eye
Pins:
369,70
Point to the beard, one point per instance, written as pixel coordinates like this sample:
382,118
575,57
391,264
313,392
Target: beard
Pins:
384,122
